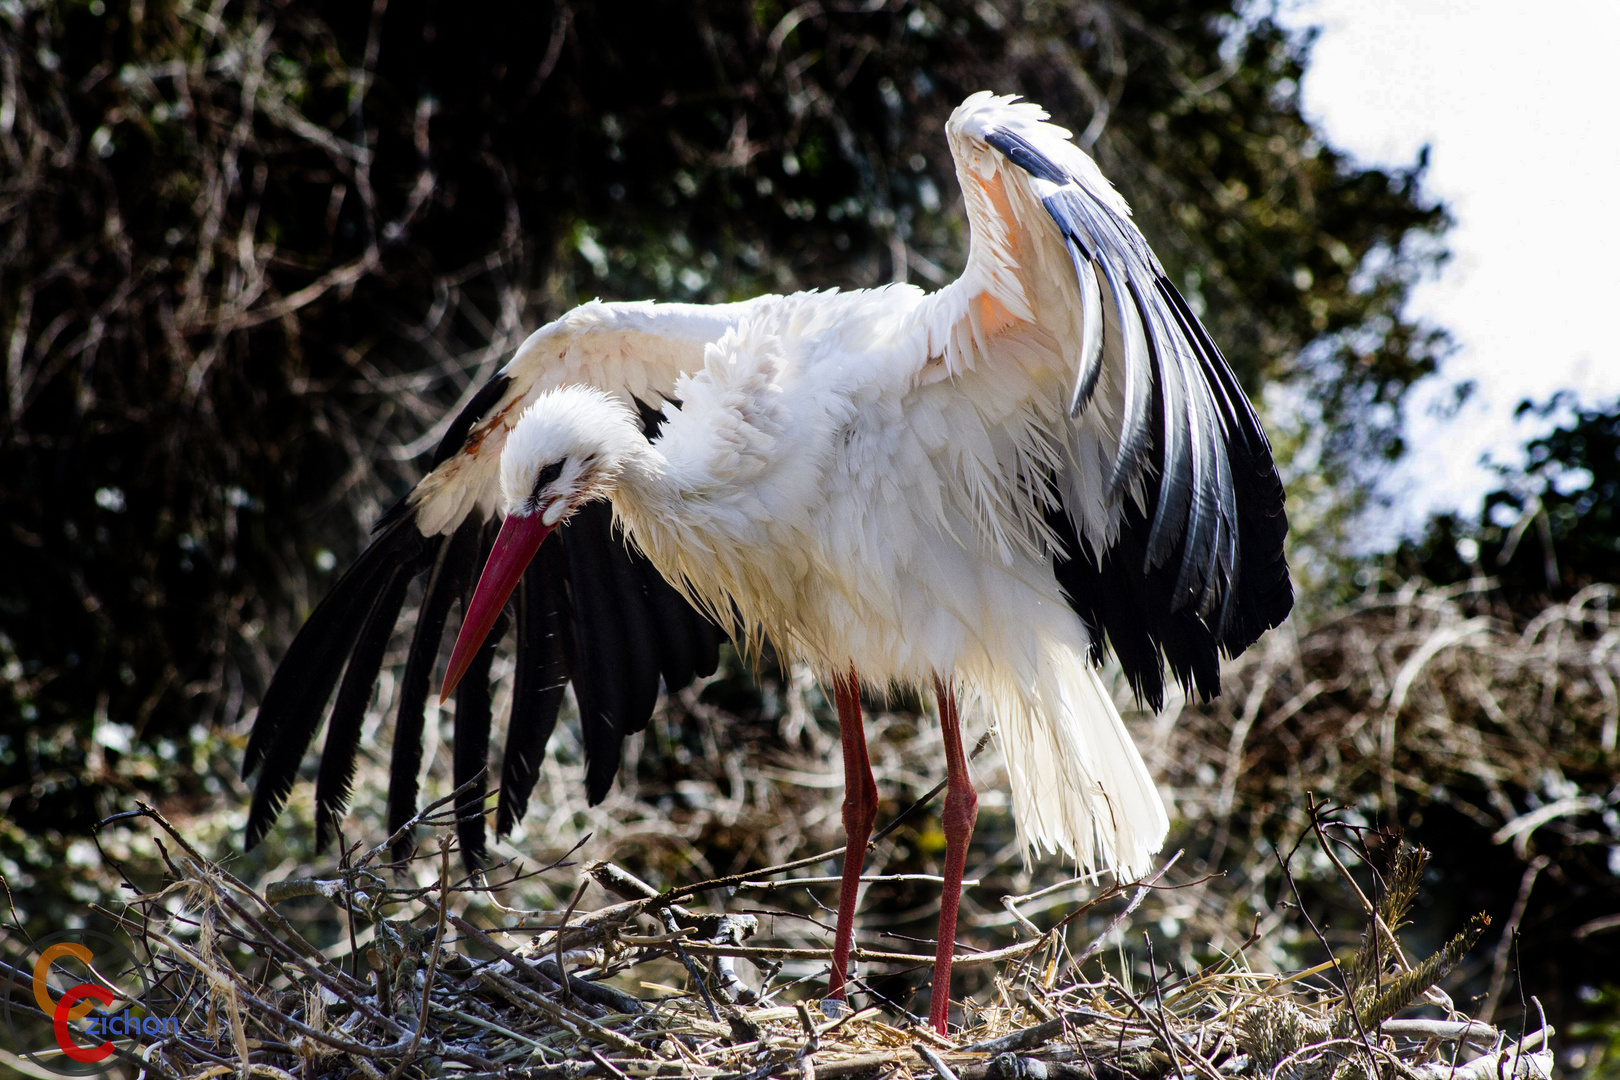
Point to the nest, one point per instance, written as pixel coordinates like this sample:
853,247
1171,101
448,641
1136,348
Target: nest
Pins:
443,980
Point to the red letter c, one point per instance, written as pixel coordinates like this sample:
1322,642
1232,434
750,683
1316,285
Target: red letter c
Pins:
64,1034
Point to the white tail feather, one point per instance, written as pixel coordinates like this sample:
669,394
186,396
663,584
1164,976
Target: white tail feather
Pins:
1078,784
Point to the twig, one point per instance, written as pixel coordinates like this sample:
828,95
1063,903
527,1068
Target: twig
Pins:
1499,962
807,882
1446,1030
1172,1041
1142,892
935,1062
562,985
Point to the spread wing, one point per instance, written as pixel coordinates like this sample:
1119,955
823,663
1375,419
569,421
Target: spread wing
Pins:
1164,505
590,610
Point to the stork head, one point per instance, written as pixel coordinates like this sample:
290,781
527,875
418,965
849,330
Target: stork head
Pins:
568,448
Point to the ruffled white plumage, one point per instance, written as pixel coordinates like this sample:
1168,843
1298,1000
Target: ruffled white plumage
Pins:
830,506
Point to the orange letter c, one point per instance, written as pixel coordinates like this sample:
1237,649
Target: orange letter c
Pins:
42,967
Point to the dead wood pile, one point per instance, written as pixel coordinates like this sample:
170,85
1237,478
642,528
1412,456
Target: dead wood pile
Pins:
442,980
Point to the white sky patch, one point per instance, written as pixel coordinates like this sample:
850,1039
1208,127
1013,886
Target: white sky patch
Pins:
1518,102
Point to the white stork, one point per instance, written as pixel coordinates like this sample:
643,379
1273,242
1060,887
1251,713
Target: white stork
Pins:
970,489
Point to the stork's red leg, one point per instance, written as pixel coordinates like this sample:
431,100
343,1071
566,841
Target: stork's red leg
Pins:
961,810
860,807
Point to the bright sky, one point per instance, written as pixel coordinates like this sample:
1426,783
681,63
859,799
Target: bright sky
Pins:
1518,102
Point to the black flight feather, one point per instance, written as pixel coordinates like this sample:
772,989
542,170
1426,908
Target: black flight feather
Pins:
1116,597
323,642
1260,594
296,697
651,416
1172,452
1088,365
1138,417
642,654
293,703
452,569
602,650
470,748
336,777
709,638
679,628
539,678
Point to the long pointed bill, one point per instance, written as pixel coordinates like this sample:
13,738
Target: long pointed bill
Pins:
519,539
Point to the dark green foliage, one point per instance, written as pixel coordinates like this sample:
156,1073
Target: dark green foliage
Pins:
1553,527
1405,875
1375,992
250,258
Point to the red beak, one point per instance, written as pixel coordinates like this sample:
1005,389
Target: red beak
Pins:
519,539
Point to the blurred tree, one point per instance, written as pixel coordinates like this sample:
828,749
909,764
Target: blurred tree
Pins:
1552,528
252,253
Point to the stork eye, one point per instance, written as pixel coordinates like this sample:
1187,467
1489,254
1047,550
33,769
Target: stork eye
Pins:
546,476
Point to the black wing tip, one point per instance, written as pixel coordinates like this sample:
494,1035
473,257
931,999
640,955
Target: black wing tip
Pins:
613,653
402,510
1132,606
328,825
651,416
334,782
508,814
539,678
268,802
340,615
1261,613
470,833
599,777
452,565
1146,680
476,860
